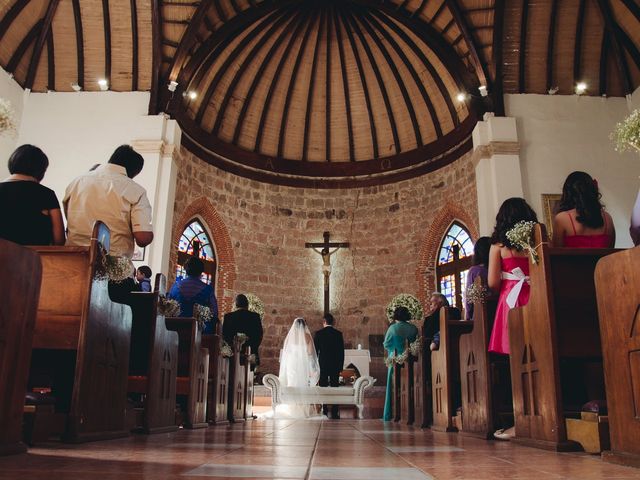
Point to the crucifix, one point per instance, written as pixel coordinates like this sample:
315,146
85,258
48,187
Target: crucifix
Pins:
324,249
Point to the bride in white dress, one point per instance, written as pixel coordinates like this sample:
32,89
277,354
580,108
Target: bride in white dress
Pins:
299,367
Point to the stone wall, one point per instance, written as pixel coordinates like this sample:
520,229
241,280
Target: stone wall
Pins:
260,231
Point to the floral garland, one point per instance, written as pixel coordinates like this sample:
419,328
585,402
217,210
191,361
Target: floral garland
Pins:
477,293
243,337
521,237
202,313
414,349
255,304
626,134
169,307
408,301
226,351
7,123
115,269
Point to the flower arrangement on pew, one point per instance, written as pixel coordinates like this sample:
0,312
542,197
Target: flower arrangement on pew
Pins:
413,350
226,351
202,314
169,307
626,134
405,300
243,337
115,269
7,123
477,293
521,237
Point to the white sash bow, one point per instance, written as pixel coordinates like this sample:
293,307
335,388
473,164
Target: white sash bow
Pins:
518,275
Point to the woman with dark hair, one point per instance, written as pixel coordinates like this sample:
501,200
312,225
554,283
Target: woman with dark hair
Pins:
509,275
582,221
480,268
394,342
31,212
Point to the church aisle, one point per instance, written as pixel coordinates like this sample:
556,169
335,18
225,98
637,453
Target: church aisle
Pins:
314,450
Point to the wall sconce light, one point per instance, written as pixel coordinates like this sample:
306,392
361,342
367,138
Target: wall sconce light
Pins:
581,88
103,84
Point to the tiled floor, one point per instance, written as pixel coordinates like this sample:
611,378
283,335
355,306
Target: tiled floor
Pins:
314,450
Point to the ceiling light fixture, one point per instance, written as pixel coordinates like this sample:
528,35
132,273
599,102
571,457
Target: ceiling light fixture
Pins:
172,86
76,87
193,95
103,84
581,88
461,97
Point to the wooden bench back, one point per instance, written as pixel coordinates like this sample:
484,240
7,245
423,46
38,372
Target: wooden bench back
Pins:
560,321
618,289
20,277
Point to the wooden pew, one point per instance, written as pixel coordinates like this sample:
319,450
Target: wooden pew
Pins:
478,411
552,339
78,324
153,360
248,397
422,394
193,370
618,292
20,277
218,394
445,371
407,394
237,382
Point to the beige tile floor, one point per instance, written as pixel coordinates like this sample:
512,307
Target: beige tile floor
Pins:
314,450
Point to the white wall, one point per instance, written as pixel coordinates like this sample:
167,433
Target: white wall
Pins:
559,134
11,91
78,130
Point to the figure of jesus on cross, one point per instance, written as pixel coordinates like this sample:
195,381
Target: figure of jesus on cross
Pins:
325,250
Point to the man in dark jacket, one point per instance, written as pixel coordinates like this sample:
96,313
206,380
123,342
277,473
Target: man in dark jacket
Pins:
330,349
243,321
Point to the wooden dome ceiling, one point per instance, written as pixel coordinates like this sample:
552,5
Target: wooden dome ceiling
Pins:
324,92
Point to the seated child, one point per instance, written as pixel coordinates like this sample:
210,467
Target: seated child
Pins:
143,276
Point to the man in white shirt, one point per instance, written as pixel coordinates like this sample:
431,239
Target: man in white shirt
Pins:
109,194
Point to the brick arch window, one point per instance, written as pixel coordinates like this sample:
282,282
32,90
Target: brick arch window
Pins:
195,241
455,257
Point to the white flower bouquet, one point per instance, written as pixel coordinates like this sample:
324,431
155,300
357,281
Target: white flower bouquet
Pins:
202,313
255,304
7,123
415,348
521,237
626,134
243,337
477,293
169,307
408,301
226,351
115,269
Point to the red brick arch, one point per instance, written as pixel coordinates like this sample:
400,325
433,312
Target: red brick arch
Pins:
226,275
426,271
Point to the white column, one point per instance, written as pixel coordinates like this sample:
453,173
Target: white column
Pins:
497,160
159,179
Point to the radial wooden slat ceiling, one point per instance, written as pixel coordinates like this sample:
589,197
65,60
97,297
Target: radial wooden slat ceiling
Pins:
324,92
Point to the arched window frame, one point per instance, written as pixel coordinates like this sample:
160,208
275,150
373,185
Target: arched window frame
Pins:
456,265
188,235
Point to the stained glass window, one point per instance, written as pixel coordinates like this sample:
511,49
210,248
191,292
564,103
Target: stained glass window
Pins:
454,259
195,241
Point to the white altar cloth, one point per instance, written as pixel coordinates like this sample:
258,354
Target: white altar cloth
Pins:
359,358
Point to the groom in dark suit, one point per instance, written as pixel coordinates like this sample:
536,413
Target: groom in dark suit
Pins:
330,348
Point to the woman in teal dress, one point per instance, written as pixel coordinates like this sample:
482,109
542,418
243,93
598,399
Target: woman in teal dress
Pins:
394,343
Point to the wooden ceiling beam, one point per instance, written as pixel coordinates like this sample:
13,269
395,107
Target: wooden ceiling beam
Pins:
623,68
418,11
577,51
51,63
439,11
292,83
43,34
523,46
363,82
380,80
497,91
235,6
77,17
107,41
628,44
11,15
396,74
553,18
604,60
31,36
134,45
327,96
312,82
446,28
170,43
177,22
220,11
414,74
284,57
156,56
469,11
345,83
283,22
633,7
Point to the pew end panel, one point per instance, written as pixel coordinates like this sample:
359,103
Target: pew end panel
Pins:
553,339
422,387
618,293
20,277
445,371
76,314
237,383
193,370
407,394
478,406
153,361
217,390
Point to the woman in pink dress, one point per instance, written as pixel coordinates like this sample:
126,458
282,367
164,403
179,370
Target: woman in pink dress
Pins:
509,275
582,221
